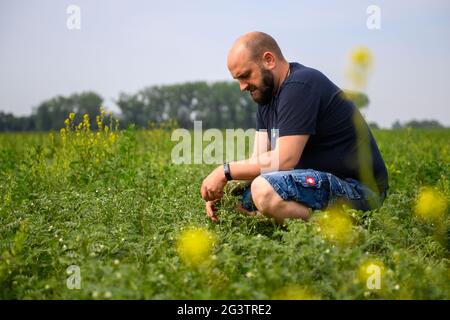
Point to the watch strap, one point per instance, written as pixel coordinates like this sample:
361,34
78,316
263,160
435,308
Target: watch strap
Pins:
226,171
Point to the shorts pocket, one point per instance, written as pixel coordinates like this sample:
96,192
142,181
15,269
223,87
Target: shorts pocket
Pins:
308,179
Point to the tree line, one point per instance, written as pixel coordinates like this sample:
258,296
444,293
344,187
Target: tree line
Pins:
217,105
418,124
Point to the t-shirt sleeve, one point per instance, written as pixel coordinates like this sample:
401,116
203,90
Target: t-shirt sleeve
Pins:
260,121
298,108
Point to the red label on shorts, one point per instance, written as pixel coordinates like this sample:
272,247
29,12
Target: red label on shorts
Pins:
310,180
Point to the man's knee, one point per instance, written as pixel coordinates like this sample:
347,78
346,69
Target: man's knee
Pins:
263,195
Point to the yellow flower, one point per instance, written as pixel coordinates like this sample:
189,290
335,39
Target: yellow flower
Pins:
72,116
86,122
295,292
430,204
360,66
361,57
335,225
112,137
194,245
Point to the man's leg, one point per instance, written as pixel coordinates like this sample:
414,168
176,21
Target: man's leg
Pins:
269,203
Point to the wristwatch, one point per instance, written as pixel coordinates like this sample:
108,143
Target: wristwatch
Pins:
226,171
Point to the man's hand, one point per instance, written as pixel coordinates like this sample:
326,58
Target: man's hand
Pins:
211,211
212,186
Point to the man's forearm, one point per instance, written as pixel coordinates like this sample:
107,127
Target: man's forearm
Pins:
250,168
244,170
284,157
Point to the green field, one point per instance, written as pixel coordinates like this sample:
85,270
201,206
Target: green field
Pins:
115,206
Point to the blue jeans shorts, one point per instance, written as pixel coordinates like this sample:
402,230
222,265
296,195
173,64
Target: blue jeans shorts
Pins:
318,190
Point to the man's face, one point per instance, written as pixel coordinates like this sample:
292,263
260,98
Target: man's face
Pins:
254,78
262,92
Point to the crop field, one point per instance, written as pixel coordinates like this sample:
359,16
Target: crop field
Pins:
87,214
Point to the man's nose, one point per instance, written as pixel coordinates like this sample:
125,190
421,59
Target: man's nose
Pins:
243,86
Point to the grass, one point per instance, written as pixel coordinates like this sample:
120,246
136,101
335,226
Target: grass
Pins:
114,205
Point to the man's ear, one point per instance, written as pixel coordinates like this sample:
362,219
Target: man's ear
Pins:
269,60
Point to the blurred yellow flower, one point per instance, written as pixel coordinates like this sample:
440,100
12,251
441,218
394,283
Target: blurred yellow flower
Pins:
72,116
360,65
430,204
194,245
361,57
335,225
86,122
295,292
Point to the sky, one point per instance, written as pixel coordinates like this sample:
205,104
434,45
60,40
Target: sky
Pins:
125,46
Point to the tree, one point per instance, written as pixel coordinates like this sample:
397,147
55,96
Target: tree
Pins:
8,122
424,124
217,105
418,124
50,114
374,126
396,125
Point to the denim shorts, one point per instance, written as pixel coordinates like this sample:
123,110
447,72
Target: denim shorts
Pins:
318,190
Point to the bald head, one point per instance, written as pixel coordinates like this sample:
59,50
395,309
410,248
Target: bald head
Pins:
256,44
256,61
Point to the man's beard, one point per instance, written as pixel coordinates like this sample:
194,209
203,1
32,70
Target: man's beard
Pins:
265,90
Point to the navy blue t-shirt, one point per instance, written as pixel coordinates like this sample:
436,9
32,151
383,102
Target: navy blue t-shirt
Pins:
340,140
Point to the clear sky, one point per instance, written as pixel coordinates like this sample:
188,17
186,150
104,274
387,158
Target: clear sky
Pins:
124,46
